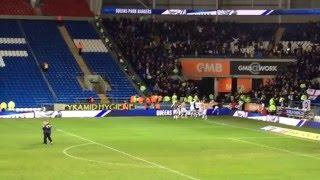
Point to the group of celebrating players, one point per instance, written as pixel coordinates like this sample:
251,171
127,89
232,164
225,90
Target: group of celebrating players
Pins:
196,109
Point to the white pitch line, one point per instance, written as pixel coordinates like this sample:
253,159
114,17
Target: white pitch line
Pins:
257,137
65,152
230,125
244,137
275,148
131,156
256,130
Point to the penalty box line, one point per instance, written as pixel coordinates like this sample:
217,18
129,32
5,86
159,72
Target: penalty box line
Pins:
274,148
263,145
257,130
130,155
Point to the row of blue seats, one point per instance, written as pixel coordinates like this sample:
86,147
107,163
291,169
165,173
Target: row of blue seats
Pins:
22,82
102,63
49,46
20,79
81,30
10,28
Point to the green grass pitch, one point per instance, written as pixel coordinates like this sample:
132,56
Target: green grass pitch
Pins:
153,148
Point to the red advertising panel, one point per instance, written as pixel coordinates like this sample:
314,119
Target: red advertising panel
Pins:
224,85
197,68
245,84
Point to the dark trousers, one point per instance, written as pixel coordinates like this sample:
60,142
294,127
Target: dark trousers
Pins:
46,136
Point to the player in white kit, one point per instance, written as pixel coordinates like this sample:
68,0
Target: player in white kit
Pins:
192,108
175,110
204,111
183,112
200,110
198,107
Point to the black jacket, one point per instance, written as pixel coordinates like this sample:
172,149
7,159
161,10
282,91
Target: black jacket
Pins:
46,129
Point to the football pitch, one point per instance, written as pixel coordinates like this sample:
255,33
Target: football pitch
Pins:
154,148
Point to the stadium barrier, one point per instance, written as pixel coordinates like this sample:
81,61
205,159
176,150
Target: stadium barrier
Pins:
94,107
278,119
37,113
101,113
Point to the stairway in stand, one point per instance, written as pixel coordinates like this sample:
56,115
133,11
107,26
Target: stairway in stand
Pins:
83,66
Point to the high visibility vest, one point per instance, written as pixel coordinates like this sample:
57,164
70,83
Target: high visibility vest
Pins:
166,99
3,105
211,96
272,108
303,97
271,101
174,98
302,85
11,105
142,88
190,99
281,99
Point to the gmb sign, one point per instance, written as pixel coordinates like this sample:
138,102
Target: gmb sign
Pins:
256,67
197,68
91,107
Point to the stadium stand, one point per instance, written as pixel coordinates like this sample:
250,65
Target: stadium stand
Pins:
65,8
15,7
20,77
150,44
100,61
298,41
40,41
48,46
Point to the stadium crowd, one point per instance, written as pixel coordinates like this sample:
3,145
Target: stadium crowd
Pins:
153,48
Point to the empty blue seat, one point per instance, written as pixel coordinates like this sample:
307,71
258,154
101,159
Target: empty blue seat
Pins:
21,79
102,63
49,46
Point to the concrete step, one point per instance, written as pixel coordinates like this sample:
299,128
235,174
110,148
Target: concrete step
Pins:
73,49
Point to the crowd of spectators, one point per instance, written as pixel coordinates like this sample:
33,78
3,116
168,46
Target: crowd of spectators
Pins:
293,83
153,47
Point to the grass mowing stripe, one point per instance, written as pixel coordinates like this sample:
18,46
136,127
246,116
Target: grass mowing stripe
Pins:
256,130
262,145
65,152
131,156
275,148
